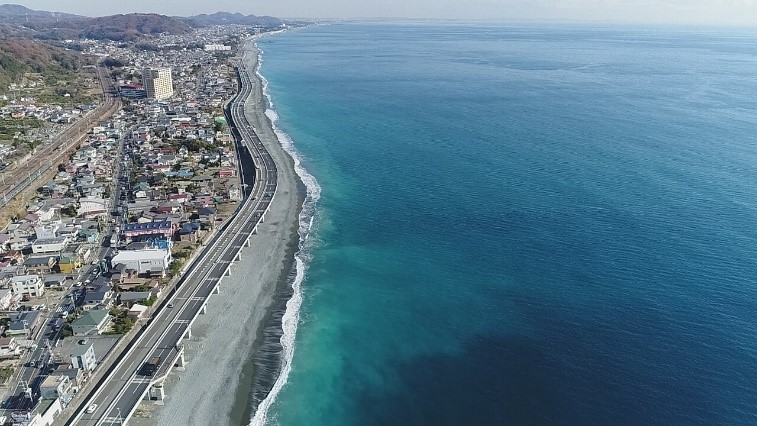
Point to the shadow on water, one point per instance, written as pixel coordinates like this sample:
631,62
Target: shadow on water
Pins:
495,379
510,380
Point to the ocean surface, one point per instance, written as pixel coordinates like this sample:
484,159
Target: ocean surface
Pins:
521,224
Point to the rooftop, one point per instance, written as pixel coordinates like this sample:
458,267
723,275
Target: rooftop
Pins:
156,225
144,254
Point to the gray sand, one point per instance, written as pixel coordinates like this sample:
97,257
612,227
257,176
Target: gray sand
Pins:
223,339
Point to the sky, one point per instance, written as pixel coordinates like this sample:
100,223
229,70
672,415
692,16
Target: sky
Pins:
715,12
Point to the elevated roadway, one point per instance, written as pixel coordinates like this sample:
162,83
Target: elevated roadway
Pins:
129,382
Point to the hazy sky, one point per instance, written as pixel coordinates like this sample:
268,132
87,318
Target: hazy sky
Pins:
742,12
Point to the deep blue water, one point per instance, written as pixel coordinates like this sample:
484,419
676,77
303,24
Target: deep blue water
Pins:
524,224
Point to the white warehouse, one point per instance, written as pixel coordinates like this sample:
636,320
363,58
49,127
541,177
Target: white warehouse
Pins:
49,245
147,261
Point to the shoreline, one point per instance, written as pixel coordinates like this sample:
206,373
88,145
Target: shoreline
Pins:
222,382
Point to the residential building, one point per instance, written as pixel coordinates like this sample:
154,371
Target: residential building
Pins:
24,323
83,357
98,294
91,207
57,386
129,298
9,348
138,231
235,194
27,285
68,263
158,82
54,280
91,322
47,231
8,300
136,311
42,264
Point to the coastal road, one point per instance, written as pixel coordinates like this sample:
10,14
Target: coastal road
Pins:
121,392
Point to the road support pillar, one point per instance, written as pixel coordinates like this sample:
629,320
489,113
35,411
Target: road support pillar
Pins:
157,392
238,257
204,309
180,361
188,333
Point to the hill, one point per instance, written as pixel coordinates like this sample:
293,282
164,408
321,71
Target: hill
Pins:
225,18
131,26
21,21
16,12
19,56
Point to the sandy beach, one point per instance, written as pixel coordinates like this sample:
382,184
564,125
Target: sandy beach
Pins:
215,387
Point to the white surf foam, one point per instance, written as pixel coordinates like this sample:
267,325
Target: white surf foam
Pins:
291,316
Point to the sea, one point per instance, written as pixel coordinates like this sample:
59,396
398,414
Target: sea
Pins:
519,224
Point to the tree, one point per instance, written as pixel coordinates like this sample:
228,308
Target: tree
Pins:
67,330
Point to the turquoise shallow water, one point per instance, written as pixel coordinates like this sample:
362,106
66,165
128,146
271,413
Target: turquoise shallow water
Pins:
523,224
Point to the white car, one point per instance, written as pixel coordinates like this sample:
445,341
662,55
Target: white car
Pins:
91,409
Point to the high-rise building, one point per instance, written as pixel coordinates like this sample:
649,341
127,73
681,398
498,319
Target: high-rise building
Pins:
158,83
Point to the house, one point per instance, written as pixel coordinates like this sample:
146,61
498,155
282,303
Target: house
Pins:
32,219
68,263
206,215
12,256
83,357
39,264
9,348
136,311
227,173
49,245
45,214
8,300
73,374
57,386
147,261
91,322
179,198
235,194
54,280
24,323
204,200
91,207
47,231
98,294
91,235
190,232
130,284
131,297
168,207
27,285
202,180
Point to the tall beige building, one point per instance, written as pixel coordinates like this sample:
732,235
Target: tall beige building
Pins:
158,83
